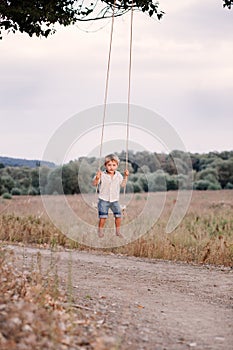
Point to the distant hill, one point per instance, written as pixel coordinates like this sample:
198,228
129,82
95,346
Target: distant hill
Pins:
18,162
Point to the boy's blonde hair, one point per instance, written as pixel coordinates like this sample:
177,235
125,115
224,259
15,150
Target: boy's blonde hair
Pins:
111,157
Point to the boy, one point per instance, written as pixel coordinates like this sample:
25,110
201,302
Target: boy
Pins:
110,182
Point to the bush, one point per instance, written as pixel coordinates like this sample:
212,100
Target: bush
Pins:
134,177
16,191
201,185
143,182
129,187
214,186
7,182
136,187
209,174
157,181
32,191
172,182
24,191
3,190
6,195
229,186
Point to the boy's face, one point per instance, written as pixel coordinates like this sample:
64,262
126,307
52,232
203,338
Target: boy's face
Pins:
111,166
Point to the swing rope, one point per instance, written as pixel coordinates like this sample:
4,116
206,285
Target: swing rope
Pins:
106,85
106,91
129,95
129,90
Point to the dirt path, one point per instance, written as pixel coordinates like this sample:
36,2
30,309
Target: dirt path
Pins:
148,304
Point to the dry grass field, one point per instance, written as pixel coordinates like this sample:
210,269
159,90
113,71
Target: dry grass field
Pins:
45,303
205,235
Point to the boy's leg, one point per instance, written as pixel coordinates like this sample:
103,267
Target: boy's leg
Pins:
101,227
116,209
118,225
103,208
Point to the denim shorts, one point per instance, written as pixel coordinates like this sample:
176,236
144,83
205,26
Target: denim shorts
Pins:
103,207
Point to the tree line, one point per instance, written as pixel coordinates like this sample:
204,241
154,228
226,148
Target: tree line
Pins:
30,163
148,172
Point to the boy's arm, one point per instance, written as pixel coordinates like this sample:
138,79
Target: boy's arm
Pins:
96,178
126,174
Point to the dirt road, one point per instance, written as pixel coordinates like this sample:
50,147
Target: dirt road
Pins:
148,304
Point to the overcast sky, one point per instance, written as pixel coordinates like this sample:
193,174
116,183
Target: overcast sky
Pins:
182,69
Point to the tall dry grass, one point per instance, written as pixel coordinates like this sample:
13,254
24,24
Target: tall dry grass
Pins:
36,313
33,312
204,236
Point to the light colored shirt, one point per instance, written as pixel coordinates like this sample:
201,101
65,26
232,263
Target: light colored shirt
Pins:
109,187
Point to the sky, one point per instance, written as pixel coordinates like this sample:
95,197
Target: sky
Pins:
181,69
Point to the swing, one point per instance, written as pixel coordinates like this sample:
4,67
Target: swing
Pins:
94,204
